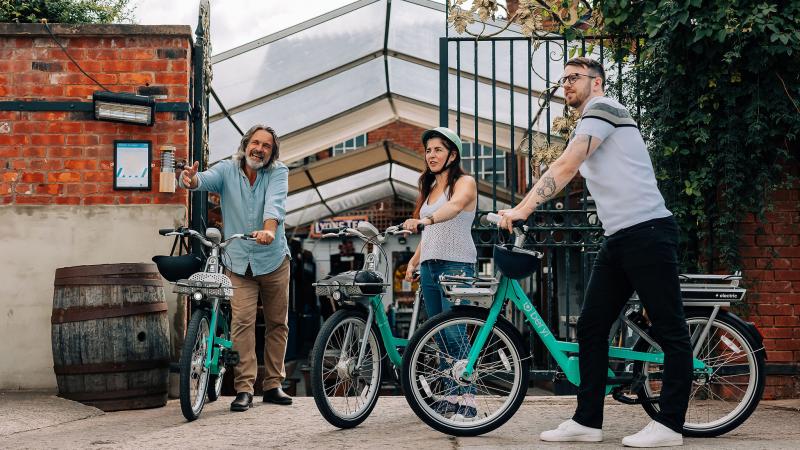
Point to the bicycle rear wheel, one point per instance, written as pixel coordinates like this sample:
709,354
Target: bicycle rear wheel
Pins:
194,375
722,400
345,395
437,355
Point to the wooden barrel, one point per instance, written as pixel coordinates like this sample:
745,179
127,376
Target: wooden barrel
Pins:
110,336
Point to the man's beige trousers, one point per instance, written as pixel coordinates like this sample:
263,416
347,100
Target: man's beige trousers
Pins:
274,290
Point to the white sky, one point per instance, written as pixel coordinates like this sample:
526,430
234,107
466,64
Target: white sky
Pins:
235,22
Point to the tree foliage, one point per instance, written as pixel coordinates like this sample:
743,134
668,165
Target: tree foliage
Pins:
720,91
66,11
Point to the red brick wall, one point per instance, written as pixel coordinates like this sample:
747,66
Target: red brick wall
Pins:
66,157
771,260
401,133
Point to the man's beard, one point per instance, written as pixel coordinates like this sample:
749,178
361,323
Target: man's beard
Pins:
579,98
254,164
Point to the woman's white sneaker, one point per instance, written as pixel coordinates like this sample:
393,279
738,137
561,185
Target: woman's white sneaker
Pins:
571,431
654,434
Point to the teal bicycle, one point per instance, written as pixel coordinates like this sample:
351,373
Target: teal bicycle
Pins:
347,360
207,347
474,355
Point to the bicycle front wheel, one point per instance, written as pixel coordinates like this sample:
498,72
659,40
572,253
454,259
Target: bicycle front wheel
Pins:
194,375
345,393
721,400
434,362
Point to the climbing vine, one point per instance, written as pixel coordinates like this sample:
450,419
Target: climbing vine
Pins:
718,86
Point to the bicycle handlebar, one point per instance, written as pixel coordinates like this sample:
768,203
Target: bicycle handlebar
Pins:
183,231
518,226
338,232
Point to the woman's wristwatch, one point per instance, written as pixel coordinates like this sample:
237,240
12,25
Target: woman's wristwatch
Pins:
429,217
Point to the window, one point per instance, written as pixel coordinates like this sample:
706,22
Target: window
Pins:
489,169
350,144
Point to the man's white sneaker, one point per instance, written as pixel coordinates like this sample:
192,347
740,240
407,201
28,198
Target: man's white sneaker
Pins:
653,434
571,431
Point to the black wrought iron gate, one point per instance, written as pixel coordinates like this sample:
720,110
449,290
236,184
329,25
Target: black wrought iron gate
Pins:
510,147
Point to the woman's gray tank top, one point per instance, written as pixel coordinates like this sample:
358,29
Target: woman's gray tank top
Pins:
450,240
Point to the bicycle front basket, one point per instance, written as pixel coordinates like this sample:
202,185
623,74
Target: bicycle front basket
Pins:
210,284
354,283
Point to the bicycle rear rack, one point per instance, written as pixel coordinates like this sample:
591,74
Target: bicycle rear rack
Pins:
708,290
469,290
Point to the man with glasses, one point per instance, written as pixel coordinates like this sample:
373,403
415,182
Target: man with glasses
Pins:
253,186
639,253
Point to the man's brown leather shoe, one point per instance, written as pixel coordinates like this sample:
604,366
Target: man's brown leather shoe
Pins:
243,402
277,396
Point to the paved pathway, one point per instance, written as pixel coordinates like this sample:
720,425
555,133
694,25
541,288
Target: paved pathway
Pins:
30,420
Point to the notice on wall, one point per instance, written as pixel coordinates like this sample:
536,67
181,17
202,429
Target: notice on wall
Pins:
132,164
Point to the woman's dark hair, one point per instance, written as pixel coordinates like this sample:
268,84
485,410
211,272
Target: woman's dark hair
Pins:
454,172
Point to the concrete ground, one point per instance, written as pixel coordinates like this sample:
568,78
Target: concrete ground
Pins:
41,420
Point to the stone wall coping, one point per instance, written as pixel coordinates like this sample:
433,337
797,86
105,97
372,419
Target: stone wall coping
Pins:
86,29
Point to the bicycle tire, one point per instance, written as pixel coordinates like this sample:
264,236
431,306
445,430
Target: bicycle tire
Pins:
505,332
193,355
324,403
215,388
738,339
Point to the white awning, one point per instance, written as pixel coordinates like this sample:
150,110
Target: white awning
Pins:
362,177
368,64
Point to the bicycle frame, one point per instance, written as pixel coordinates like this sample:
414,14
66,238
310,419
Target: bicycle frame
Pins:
374,306
214,341
509,289
390,343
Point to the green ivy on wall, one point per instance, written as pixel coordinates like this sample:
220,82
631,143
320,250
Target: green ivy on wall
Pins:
66,11
720,95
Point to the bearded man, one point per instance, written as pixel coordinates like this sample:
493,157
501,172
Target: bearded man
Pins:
252,186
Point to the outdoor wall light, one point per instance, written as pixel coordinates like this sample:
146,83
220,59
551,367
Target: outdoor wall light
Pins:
124,107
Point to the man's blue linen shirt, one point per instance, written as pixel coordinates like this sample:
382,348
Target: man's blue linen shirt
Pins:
244,210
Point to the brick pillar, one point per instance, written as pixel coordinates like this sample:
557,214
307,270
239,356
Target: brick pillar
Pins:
771,259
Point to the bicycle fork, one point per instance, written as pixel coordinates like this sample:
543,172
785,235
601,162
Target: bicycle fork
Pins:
363,347
215,343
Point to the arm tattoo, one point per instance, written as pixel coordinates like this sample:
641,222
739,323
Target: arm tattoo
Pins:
547,188
589,145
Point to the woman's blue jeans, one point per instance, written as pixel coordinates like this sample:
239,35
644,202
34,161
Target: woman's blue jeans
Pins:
453,341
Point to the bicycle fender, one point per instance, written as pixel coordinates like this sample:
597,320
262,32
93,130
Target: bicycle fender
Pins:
748,327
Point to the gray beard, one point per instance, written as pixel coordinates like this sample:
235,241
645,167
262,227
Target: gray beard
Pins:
253,164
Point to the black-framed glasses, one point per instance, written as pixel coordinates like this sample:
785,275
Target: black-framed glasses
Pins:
572,78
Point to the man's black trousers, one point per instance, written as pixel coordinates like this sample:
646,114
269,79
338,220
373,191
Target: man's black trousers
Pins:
641,258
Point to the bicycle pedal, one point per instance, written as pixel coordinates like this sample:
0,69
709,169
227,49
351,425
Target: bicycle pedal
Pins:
621,397
229,357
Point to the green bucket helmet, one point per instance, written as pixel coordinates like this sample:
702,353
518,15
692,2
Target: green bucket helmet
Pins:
447,133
